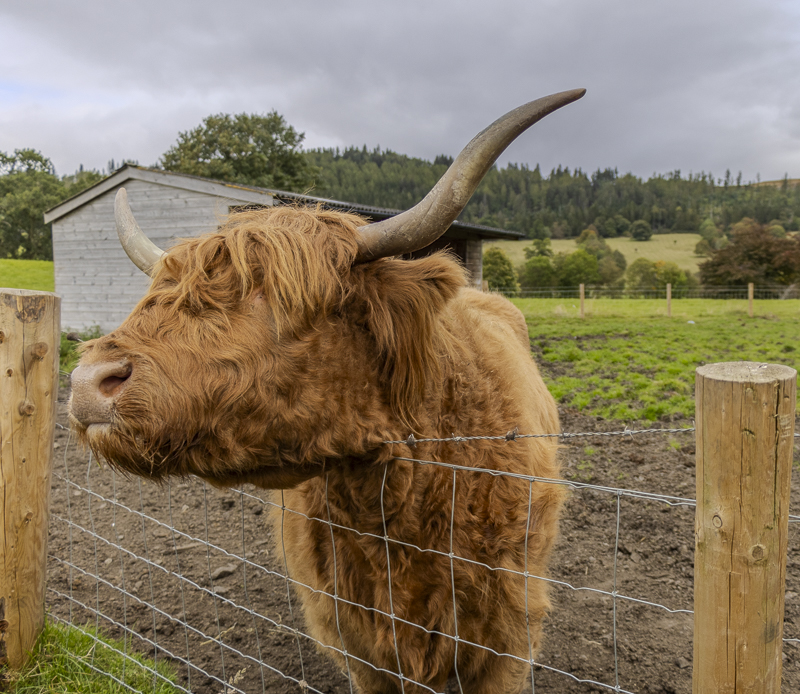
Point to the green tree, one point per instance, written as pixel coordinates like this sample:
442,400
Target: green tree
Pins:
621,224
609,270
576,268
755,255
245,148
539,247
592,242
668,272
537,272
612,226
80,180
28,187
708,230
686,220
641,275
619,259
610,264
703,248
375,177
498,270
641,230
776,229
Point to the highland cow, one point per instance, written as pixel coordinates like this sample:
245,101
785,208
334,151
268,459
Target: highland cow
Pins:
285,350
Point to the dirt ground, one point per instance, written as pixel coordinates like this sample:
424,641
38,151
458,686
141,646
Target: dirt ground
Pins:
220,618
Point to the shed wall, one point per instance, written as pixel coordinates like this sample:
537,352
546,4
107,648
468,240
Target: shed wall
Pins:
98,284
473,259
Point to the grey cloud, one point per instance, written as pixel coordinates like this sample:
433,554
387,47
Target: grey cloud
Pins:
689,85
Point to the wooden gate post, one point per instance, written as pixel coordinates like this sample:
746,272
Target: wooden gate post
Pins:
745,438
669,300
29,355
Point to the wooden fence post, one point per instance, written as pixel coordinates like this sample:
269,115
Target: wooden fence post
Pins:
583,295
750,288
29,356
745,438
669,300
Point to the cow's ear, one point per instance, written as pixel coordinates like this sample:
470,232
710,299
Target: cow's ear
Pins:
401,305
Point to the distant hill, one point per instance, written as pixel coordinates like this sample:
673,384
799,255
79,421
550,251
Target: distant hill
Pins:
788,182
562,203
676,248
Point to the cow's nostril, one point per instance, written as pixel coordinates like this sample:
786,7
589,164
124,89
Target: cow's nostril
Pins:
111,385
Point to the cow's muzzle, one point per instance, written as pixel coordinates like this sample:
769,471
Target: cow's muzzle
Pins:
95,388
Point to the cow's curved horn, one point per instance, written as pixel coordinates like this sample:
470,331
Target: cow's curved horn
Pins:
429,219
141,250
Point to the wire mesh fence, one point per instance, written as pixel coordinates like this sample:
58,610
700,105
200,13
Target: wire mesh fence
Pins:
199,577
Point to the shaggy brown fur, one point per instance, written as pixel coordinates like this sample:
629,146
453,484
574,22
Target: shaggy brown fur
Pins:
262,354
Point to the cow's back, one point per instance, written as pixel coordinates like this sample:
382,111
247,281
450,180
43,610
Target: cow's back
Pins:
494,331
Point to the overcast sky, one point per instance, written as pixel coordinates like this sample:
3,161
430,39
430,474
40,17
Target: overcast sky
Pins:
679,84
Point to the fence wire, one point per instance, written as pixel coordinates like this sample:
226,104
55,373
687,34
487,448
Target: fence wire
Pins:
195,577
779,292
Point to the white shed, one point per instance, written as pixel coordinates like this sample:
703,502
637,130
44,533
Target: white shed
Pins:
97,282
99,285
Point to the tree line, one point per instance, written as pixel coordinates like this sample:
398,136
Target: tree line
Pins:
593,263
29,186
562,203
763,254
264,150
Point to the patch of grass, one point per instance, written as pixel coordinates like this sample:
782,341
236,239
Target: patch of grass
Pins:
27,274
645,309
676,248
66,660
628,361
68,359
585,471
38,276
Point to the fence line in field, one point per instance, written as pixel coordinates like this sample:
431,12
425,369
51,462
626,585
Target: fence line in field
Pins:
600,292
582,292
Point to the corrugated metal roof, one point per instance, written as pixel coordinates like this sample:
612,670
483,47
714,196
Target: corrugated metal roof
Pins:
386,212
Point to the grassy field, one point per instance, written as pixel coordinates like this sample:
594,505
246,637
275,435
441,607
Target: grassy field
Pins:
64,659
677,248
27,274
626,360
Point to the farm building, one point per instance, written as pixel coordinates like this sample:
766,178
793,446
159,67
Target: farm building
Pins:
99,286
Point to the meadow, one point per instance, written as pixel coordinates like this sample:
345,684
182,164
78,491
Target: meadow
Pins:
676,248
626,360
27,274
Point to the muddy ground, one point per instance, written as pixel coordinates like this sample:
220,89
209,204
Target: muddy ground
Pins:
235,611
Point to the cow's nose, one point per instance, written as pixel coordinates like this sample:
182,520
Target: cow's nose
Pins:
94,389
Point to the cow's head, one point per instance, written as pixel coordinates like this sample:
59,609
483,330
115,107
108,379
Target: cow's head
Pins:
288,340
